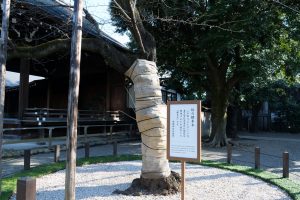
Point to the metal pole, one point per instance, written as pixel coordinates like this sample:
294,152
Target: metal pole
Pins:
73,100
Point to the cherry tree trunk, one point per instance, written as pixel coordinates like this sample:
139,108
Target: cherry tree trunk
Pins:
151,116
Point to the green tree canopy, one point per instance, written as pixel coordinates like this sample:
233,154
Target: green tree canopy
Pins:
214,45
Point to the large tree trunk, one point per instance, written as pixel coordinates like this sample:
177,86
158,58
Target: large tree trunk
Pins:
151,116
219,90
219,119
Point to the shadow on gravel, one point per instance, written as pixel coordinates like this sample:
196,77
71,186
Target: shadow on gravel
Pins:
214,177
83,192
109,168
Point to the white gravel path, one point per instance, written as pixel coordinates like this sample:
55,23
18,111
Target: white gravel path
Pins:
100,180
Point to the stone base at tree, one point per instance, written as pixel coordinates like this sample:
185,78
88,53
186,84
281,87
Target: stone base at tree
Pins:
163,186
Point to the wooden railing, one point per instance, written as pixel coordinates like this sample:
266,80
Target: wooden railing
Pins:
109,134
42,116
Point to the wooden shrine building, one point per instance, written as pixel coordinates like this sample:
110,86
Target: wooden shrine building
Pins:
103,91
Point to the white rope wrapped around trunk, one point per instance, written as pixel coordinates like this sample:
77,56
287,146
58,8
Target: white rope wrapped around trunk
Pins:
151,116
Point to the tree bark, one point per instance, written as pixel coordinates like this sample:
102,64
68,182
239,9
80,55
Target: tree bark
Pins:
219,100
73,101
3,56
219,119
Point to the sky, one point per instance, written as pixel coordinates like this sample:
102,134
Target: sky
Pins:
99,10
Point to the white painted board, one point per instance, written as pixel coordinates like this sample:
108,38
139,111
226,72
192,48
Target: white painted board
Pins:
183,131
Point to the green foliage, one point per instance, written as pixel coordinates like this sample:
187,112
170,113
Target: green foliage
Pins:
210,47
188,31
282,96
264,32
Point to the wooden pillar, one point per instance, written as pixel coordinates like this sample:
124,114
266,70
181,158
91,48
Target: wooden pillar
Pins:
24,87
48,93
229,153
115,148
73,96
27,154
285,164
56,153
26,188
257,158
87,150
108,89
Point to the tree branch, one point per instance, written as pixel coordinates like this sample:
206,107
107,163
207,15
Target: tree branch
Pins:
135,27
225,62
194,23
286,6
212,69
146,42
122,10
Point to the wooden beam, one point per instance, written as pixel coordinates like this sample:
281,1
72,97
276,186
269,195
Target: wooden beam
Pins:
73,100
24,87
3,56
118,58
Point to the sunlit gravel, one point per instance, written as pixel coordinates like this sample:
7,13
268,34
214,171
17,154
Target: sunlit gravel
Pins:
100,180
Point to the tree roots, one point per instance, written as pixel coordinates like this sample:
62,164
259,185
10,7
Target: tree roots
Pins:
162,186
218,143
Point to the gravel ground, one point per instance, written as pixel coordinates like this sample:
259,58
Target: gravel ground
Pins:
100,180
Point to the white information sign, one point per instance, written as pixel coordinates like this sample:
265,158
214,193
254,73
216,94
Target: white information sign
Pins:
184,130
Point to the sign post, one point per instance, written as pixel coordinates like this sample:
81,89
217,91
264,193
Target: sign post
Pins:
184,134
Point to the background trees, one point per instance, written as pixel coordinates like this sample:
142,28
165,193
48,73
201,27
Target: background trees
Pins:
213,46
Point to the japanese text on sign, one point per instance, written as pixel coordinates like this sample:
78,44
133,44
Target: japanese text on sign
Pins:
183,131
